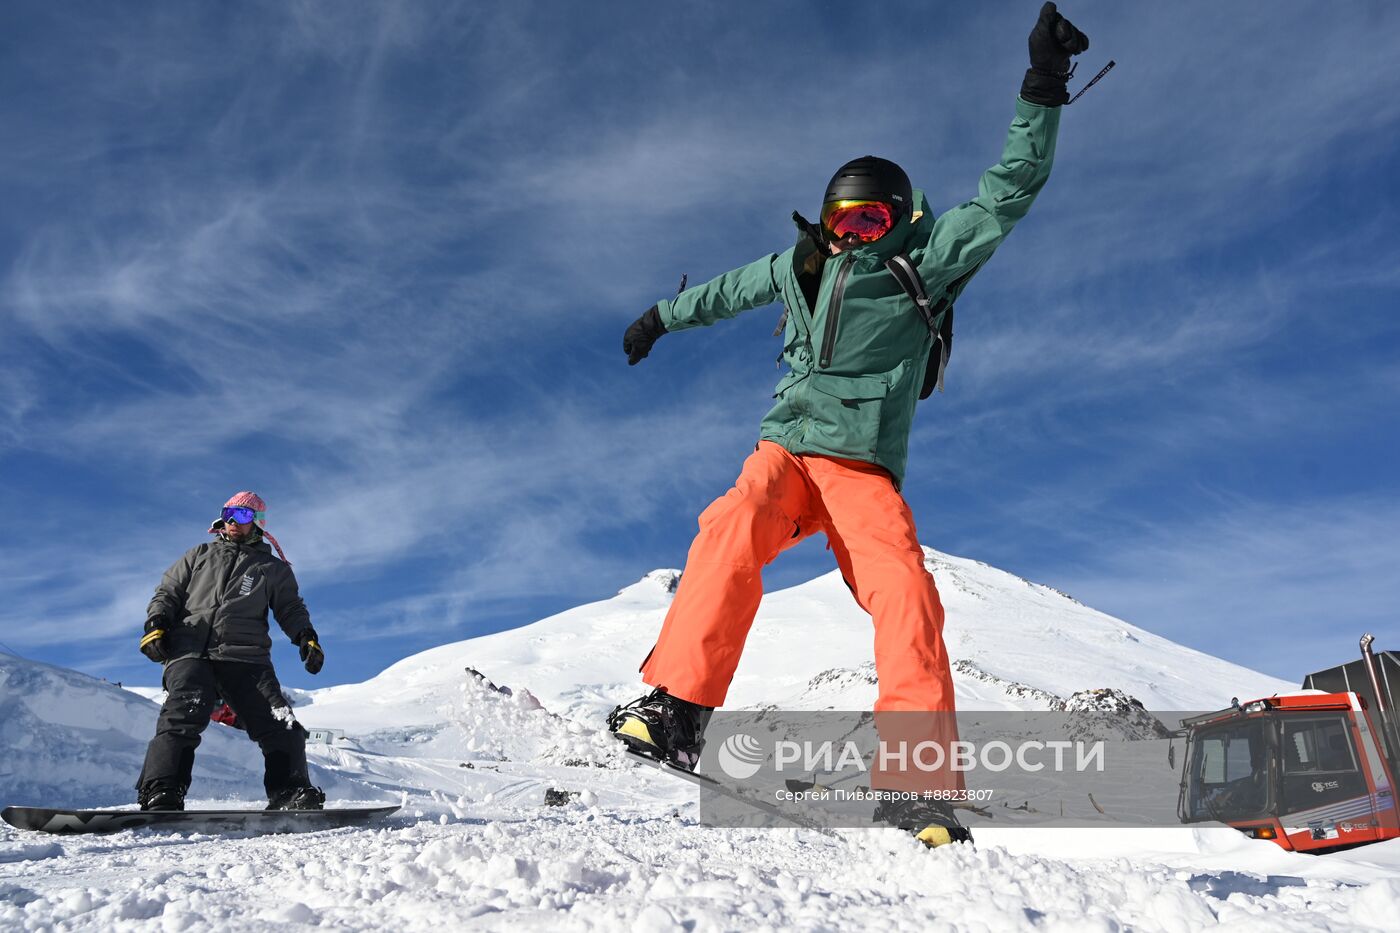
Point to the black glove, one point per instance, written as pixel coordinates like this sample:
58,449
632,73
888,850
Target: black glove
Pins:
311,654
153,641
643,332
1053,40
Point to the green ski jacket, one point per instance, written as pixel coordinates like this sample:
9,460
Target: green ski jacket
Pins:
855,344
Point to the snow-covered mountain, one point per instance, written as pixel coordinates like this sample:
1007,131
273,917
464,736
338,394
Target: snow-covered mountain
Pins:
1015,645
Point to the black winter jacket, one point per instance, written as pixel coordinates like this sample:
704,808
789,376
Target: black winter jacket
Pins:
214,602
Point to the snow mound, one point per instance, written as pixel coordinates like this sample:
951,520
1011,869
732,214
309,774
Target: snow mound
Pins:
479,722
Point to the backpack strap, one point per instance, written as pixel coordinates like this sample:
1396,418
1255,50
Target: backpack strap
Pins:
938,317
943,347
907,275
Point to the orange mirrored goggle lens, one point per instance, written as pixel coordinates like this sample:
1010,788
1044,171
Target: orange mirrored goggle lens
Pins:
866,220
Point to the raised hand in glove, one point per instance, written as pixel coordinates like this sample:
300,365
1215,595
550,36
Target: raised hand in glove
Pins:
153,641
311,654
642,333
1053,40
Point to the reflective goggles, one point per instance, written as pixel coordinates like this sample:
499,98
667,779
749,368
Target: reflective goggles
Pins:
239,515
866,220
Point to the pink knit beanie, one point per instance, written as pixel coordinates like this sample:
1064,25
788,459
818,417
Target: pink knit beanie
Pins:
251,500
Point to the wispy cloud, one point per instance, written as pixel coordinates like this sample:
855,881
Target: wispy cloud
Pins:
1281,588
374,260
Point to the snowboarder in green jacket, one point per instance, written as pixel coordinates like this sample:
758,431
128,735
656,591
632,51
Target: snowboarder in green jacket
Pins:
868,294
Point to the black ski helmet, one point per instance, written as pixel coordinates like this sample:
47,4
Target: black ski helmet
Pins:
871,178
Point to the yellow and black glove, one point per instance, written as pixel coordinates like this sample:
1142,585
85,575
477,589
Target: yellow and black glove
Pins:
153,641
311,654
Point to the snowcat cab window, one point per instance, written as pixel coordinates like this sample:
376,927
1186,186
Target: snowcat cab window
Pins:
1319,763
1229,773
1317,745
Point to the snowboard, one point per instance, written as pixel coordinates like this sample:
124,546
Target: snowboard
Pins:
708,783
789,817
66,822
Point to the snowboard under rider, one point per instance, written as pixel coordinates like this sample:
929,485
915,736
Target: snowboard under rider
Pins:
208,625
831,451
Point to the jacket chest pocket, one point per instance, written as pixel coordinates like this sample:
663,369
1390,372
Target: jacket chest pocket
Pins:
845,415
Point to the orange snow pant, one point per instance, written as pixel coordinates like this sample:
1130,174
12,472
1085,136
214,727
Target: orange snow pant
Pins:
779,499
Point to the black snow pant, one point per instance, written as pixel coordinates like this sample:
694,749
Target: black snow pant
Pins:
193,686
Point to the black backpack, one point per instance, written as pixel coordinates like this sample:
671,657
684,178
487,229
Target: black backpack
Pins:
938,316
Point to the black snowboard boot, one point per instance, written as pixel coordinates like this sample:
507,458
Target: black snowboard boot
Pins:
156,796
932,822
663,727
297,798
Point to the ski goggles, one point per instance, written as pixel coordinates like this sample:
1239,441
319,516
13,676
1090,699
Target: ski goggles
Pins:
240,515
867,221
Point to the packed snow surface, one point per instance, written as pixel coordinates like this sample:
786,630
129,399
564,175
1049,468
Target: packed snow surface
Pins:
471,760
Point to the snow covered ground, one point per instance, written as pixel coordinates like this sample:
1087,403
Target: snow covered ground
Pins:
599,868
475,845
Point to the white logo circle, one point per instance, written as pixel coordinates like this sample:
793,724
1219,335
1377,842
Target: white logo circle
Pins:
741,756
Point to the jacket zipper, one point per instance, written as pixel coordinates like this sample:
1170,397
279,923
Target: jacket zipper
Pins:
223,588
218,602
833,314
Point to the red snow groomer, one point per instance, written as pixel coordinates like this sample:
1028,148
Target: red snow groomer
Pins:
1313,771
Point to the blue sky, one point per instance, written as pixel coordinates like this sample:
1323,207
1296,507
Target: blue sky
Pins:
374,260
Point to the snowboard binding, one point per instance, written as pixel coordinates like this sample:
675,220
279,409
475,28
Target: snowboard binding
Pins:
662,727
297,798
932,822
158,796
